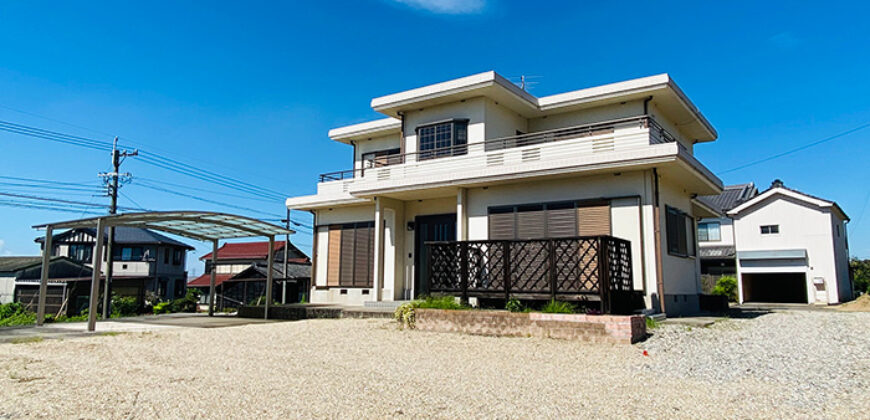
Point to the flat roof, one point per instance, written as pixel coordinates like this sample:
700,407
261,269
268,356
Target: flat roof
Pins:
490,84
205,226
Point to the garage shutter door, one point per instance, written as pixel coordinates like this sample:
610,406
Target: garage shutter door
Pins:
593,220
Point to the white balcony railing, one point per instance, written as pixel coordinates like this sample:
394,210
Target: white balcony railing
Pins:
592,143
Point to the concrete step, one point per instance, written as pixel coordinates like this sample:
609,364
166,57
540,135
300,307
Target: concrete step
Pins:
392,304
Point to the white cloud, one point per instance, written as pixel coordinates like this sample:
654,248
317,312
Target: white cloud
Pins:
3,251
448,7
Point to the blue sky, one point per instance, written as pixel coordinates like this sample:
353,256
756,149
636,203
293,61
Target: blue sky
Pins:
249,89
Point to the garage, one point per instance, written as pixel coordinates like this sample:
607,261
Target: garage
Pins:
774,287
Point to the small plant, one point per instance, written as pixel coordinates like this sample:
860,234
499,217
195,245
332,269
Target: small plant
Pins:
514,305
124,306
558,307
13,313
726,286
25,340
651,323
162,308
405,315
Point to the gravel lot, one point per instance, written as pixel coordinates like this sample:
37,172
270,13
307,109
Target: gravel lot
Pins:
796,364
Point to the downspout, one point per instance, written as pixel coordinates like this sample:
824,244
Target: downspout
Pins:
657,227
401,133
353,165
646,104
312,280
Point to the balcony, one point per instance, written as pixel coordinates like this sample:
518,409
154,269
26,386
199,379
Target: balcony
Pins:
623,144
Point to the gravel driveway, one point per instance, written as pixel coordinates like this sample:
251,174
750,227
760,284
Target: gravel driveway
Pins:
796,364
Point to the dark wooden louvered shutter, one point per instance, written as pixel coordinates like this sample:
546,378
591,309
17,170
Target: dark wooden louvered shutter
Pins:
531,222
593,219
348,242
501,224
333,256
561,220
362,276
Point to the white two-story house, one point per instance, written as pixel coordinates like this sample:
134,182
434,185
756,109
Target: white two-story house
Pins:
791,247
476,188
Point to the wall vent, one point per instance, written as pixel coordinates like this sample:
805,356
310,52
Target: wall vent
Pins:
531,154
494,159
383,174
345,185
603,145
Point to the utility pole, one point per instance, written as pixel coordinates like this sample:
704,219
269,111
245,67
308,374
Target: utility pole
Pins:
286,253
112,183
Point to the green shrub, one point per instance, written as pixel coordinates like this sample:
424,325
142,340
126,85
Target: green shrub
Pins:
188,303
726,286
651,323
558,307
9,309
162,308
20,318
405,313
514,305
124,306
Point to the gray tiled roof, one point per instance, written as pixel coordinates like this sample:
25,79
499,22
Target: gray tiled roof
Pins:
717,252
732,196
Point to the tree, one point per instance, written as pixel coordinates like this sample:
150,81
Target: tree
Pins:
860,274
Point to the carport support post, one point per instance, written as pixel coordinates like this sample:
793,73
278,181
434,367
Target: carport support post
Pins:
95,277
212,277
269,276
43,280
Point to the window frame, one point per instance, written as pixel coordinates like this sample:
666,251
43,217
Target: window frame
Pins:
454,141
771,229
705,228
686,238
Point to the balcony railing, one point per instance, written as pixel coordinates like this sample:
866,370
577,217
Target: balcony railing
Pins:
591,269
657,135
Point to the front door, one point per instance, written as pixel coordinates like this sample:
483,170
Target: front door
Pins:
440,227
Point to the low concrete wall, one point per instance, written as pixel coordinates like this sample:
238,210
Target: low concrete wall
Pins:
299,311
592,328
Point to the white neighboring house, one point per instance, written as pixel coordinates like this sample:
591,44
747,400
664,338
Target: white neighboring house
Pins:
483,168
791,247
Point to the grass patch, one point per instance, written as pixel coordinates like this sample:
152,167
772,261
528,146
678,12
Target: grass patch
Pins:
25,340
112,333
651,323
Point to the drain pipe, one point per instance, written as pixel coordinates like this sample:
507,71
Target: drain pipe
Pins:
401,116
646,104
657,228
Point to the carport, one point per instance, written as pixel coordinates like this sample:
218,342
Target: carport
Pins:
203,226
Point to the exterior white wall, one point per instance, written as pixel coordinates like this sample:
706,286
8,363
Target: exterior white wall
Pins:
7,289
841,257
670,127
801,226
375,144
472,109
586,116
681,274
502,122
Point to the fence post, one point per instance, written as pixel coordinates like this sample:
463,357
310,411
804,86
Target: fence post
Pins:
603,276
506,265
463,270
551,254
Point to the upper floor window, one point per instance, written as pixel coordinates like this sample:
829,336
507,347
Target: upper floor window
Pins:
381,158
447,138
709,231
129,253
177,255
769,229
80,252
681,238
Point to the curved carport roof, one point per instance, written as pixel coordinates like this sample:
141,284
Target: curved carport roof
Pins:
204,226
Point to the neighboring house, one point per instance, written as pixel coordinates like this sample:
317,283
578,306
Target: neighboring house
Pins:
791,247
241,274
509,185
716,234
68,283
144,260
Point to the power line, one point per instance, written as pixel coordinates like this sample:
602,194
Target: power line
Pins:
798,149
57,200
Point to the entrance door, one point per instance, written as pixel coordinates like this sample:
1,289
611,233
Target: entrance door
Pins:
440,227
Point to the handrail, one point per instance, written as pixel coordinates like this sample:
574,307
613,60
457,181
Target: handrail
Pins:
659,135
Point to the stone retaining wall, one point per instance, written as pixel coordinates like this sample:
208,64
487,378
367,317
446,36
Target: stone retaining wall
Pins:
622,329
